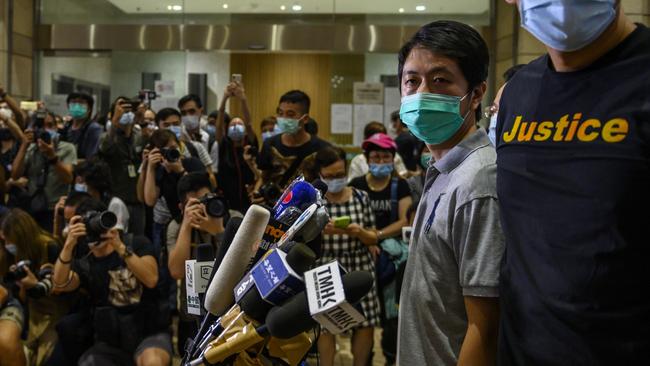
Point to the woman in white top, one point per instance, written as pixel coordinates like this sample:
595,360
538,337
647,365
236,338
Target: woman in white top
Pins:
359,164
94,177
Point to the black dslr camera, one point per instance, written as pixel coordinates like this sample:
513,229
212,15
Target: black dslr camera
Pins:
215,205
271,192
171,155
39,127
98,223
19,273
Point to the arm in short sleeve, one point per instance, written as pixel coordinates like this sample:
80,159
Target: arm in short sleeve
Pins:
400,167
120,210
478,245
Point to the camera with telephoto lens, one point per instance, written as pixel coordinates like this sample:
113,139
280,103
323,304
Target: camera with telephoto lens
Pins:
215,205
171,155
19,272
97,224
44,285
271,192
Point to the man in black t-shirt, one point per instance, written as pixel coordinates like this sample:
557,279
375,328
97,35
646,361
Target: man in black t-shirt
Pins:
130,320
407,144
283,156
573,174
82,131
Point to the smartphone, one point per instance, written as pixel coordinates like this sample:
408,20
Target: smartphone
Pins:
342,222
236,78
133,104
29,106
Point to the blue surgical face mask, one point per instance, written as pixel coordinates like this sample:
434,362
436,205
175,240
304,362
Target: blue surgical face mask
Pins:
11,248
266,135
432,118
288,125
191,123
211,129
127,118
492,130
566,25
380,170
78,110
236,132
177,130
80,187
335,185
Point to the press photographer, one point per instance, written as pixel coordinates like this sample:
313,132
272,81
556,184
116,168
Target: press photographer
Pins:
130,320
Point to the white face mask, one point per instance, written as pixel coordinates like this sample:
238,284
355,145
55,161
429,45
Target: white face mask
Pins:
11,248
191,122
335,185
80,187
492,129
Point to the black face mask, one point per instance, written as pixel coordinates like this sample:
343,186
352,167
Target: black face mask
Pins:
5,134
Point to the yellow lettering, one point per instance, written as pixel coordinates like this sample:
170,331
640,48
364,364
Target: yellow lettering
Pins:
582,131
543,131
510,135
559,127
615,130
526,135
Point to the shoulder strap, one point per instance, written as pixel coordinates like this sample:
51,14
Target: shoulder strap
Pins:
394,204
192,149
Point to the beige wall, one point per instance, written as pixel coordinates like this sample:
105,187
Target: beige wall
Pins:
16,64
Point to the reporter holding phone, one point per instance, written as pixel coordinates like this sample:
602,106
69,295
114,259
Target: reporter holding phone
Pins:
353,246
236,138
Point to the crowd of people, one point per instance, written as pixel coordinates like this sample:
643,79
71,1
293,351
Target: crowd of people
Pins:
521,243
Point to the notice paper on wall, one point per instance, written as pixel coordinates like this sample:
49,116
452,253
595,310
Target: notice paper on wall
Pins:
341,118
364,113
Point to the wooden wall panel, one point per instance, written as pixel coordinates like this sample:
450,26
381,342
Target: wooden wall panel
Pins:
267,76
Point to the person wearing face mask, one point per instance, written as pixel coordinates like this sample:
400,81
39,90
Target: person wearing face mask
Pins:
406,144
81,130
10,135
283,156
26,240
390,199
121,149
449,307
192,112
416,181
196,227
492,111
94,177
359,164
130,321
235,137
351,245
269,128
47,167
572,176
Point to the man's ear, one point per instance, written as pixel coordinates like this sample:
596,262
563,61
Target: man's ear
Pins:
477,94
304,119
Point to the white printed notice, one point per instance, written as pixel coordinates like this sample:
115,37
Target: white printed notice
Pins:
364,113
341,118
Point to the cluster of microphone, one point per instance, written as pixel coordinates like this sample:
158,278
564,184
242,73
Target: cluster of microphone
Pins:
263,293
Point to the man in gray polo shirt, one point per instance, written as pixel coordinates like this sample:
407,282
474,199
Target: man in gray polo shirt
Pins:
449,305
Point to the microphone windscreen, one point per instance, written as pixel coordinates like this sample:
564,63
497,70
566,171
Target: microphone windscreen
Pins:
291,318
300,258
204,252
219,295
356,285
254,306
320,185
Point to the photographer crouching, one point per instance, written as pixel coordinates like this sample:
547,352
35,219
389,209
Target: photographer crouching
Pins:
130,322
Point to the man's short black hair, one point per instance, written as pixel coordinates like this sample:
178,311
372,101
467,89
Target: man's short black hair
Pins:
512,71
75,198
190,98
455,40
96,173
160,138
297,97
90,204
164,113
79,95
192,182
328,156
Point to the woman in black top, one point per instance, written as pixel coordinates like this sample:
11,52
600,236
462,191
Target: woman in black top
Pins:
234,175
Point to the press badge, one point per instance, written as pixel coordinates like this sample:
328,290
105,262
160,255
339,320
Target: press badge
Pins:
132,173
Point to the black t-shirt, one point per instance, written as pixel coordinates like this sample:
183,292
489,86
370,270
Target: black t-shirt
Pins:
123,156
234,174
281,163
168,183
407,147
573,179
381,201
